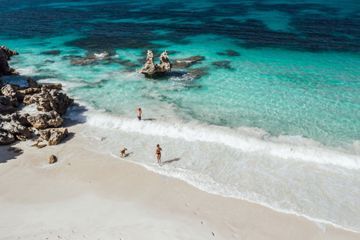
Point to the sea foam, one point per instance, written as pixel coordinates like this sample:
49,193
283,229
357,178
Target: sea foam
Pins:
244,140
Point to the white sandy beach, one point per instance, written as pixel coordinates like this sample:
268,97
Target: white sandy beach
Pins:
90,195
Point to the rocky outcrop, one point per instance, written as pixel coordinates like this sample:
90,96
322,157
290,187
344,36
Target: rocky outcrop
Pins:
45,120
48,98
51,103
151,69
53,135
13,128
5,56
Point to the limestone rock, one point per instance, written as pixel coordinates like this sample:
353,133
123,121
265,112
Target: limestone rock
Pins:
53,135
52,159
45,120
49,86
151,69
13,125
49,99
29,91
9,90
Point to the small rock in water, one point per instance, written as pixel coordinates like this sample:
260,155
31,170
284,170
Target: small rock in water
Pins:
52,159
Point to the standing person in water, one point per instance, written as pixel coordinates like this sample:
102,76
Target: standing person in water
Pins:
158,153
139,113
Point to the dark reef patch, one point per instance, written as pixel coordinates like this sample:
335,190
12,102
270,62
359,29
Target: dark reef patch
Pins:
229,53
222,64
317,27
187,62
51,52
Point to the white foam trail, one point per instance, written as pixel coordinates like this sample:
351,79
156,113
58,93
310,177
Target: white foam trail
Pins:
101,56
27,71
246,142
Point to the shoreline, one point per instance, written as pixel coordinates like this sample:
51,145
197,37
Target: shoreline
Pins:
34,160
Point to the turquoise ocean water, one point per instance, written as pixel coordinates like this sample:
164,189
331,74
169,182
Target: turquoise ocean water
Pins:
285,106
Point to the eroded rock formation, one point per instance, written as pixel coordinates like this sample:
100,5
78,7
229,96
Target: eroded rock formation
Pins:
47,98
51,103
151,69
5,56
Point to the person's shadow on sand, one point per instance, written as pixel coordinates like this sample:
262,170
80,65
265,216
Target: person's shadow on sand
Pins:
149,119
127,154
170,161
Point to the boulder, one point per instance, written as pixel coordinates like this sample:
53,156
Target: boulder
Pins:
52,159
45,120
53,135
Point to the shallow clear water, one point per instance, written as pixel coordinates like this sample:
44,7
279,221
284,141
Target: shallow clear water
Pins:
288,103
